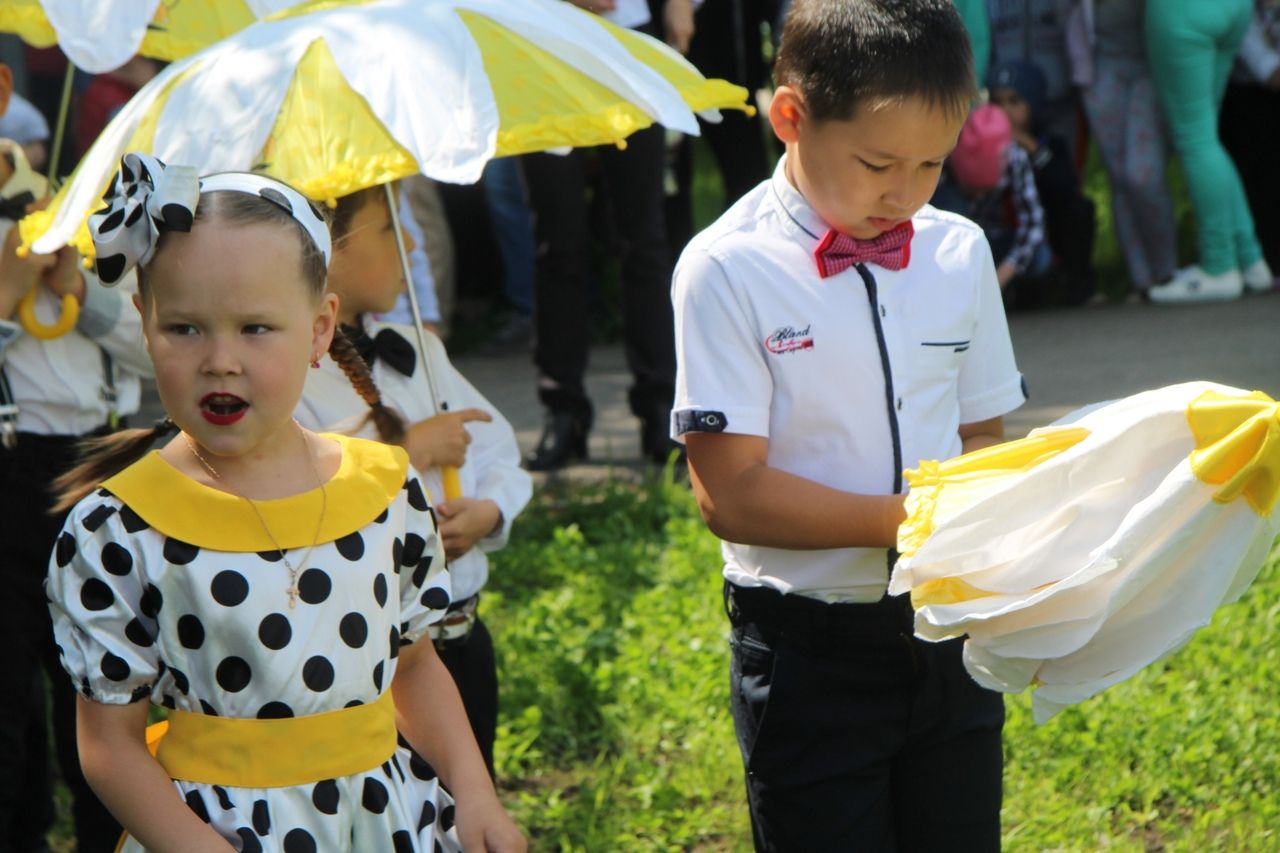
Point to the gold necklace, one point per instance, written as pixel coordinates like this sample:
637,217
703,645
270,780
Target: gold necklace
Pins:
292,589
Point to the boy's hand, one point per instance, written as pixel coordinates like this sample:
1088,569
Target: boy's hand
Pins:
19,275
442,439
464,522
63,275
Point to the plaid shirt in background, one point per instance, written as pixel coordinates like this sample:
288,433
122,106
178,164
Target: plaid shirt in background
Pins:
1014,205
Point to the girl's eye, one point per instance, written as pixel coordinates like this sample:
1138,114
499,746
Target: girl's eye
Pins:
180,329
256,329
936,164
872,167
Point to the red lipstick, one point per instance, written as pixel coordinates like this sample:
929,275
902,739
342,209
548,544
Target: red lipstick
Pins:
222,409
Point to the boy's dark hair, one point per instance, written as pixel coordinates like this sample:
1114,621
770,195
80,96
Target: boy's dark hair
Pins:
841,54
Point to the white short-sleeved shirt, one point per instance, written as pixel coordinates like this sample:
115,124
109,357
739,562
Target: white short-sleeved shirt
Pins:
850,379
492,470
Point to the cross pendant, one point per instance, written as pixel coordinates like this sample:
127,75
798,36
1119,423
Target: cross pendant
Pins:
293,596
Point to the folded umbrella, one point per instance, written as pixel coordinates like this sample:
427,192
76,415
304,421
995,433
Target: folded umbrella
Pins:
1077,556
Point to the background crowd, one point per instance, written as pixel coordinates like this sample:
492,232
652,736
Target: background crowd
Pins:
546,242
1140,81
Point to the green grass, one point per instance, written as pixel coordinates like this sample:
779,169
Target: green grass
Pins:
615,731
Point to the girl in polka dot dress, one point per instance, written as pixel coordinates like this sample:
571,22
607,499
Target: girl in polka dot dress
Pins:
264,583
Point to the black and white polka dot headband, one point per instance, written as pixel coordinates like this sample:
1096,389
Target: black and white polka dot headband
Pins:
147,198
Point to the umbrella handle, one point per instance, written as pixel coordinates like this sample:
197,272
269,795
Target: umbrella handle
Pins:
31,323
452,482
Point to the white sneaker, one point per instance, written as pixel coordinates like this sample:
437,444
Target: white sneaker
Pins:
1195,285
1258,277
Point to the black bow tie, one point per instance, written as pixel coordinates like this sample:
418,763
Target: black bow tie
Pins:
389,345
16,207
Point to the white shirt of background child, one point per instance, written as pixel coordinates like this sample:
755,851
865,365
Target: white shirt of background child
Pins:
59,383
771,349
492,470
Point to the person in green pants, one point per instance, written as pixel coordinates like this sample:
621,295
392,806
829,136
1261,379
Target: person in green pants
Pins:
1191,45
978,25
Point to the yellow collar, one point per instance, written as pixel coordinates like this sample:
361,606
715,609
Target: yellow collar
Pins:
370,476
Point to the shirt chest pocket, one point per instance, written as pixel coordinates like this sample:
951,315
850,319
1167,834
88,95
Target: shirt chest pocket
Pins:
940,353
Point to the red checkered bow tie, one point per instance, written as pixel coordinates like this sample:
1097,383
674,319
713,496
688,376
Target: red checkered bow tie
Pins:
837,252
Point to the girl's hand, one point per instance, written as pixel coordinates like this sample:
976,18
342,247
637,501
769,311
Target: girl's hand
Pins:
483,825
442,439
464,522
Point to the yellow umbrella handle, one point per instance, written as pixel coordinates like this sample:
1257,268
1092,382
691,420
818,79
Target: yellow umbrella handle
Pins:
452,482
27,317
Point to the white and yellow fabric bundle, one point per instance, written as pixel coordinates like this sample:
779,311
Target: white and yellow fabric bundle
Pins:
1079,555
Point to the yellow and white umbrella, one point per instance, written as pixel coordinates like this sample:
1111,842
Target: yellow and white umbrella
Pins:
334,96
1079,555
101,35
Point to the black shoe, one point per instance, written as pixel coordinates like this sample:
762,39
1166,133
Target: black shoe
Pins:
564,439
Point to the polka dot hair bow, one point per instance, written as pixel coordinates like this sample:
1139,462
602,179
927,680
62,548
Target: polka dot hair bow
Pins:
148,198
145,199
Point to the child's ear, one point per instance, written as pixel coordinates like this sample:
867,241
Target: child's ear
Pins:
325,323
786,112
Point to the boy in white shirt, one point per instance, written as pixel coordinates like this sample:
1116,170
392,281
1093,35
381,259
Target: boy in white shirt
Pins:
831,330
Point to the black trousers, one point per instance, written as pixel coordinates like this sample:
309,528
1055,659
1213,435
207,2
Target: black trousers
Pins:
475,670
27,534
1246,109
726,44
855,735
562,327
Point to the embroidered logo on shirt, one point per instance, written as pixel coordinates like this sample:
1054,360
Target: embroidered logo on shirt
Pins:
787,339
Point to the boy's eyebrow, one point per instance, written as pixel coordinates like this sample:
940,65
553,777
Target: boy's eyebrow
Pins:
885,155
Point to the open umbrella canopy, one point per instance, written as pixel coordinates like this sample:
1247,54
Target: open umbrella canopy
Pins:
100,35
1096,546
455,83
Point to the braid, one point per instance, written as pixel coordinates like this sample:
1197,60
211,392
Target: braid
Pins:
389,425
103,458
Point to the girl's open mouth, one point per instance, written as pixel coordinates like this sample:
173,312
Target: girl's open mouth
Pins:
222,409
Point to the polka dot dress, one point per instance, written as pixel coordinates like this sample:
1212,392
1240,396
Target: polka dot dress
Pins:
141,614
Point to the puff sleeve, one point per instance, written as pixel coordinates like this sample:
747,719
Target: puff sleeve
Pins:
425,590
102,608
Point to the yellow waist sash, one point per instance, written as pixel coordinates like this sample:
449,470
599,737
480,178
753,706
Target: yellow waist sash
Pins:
252,753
